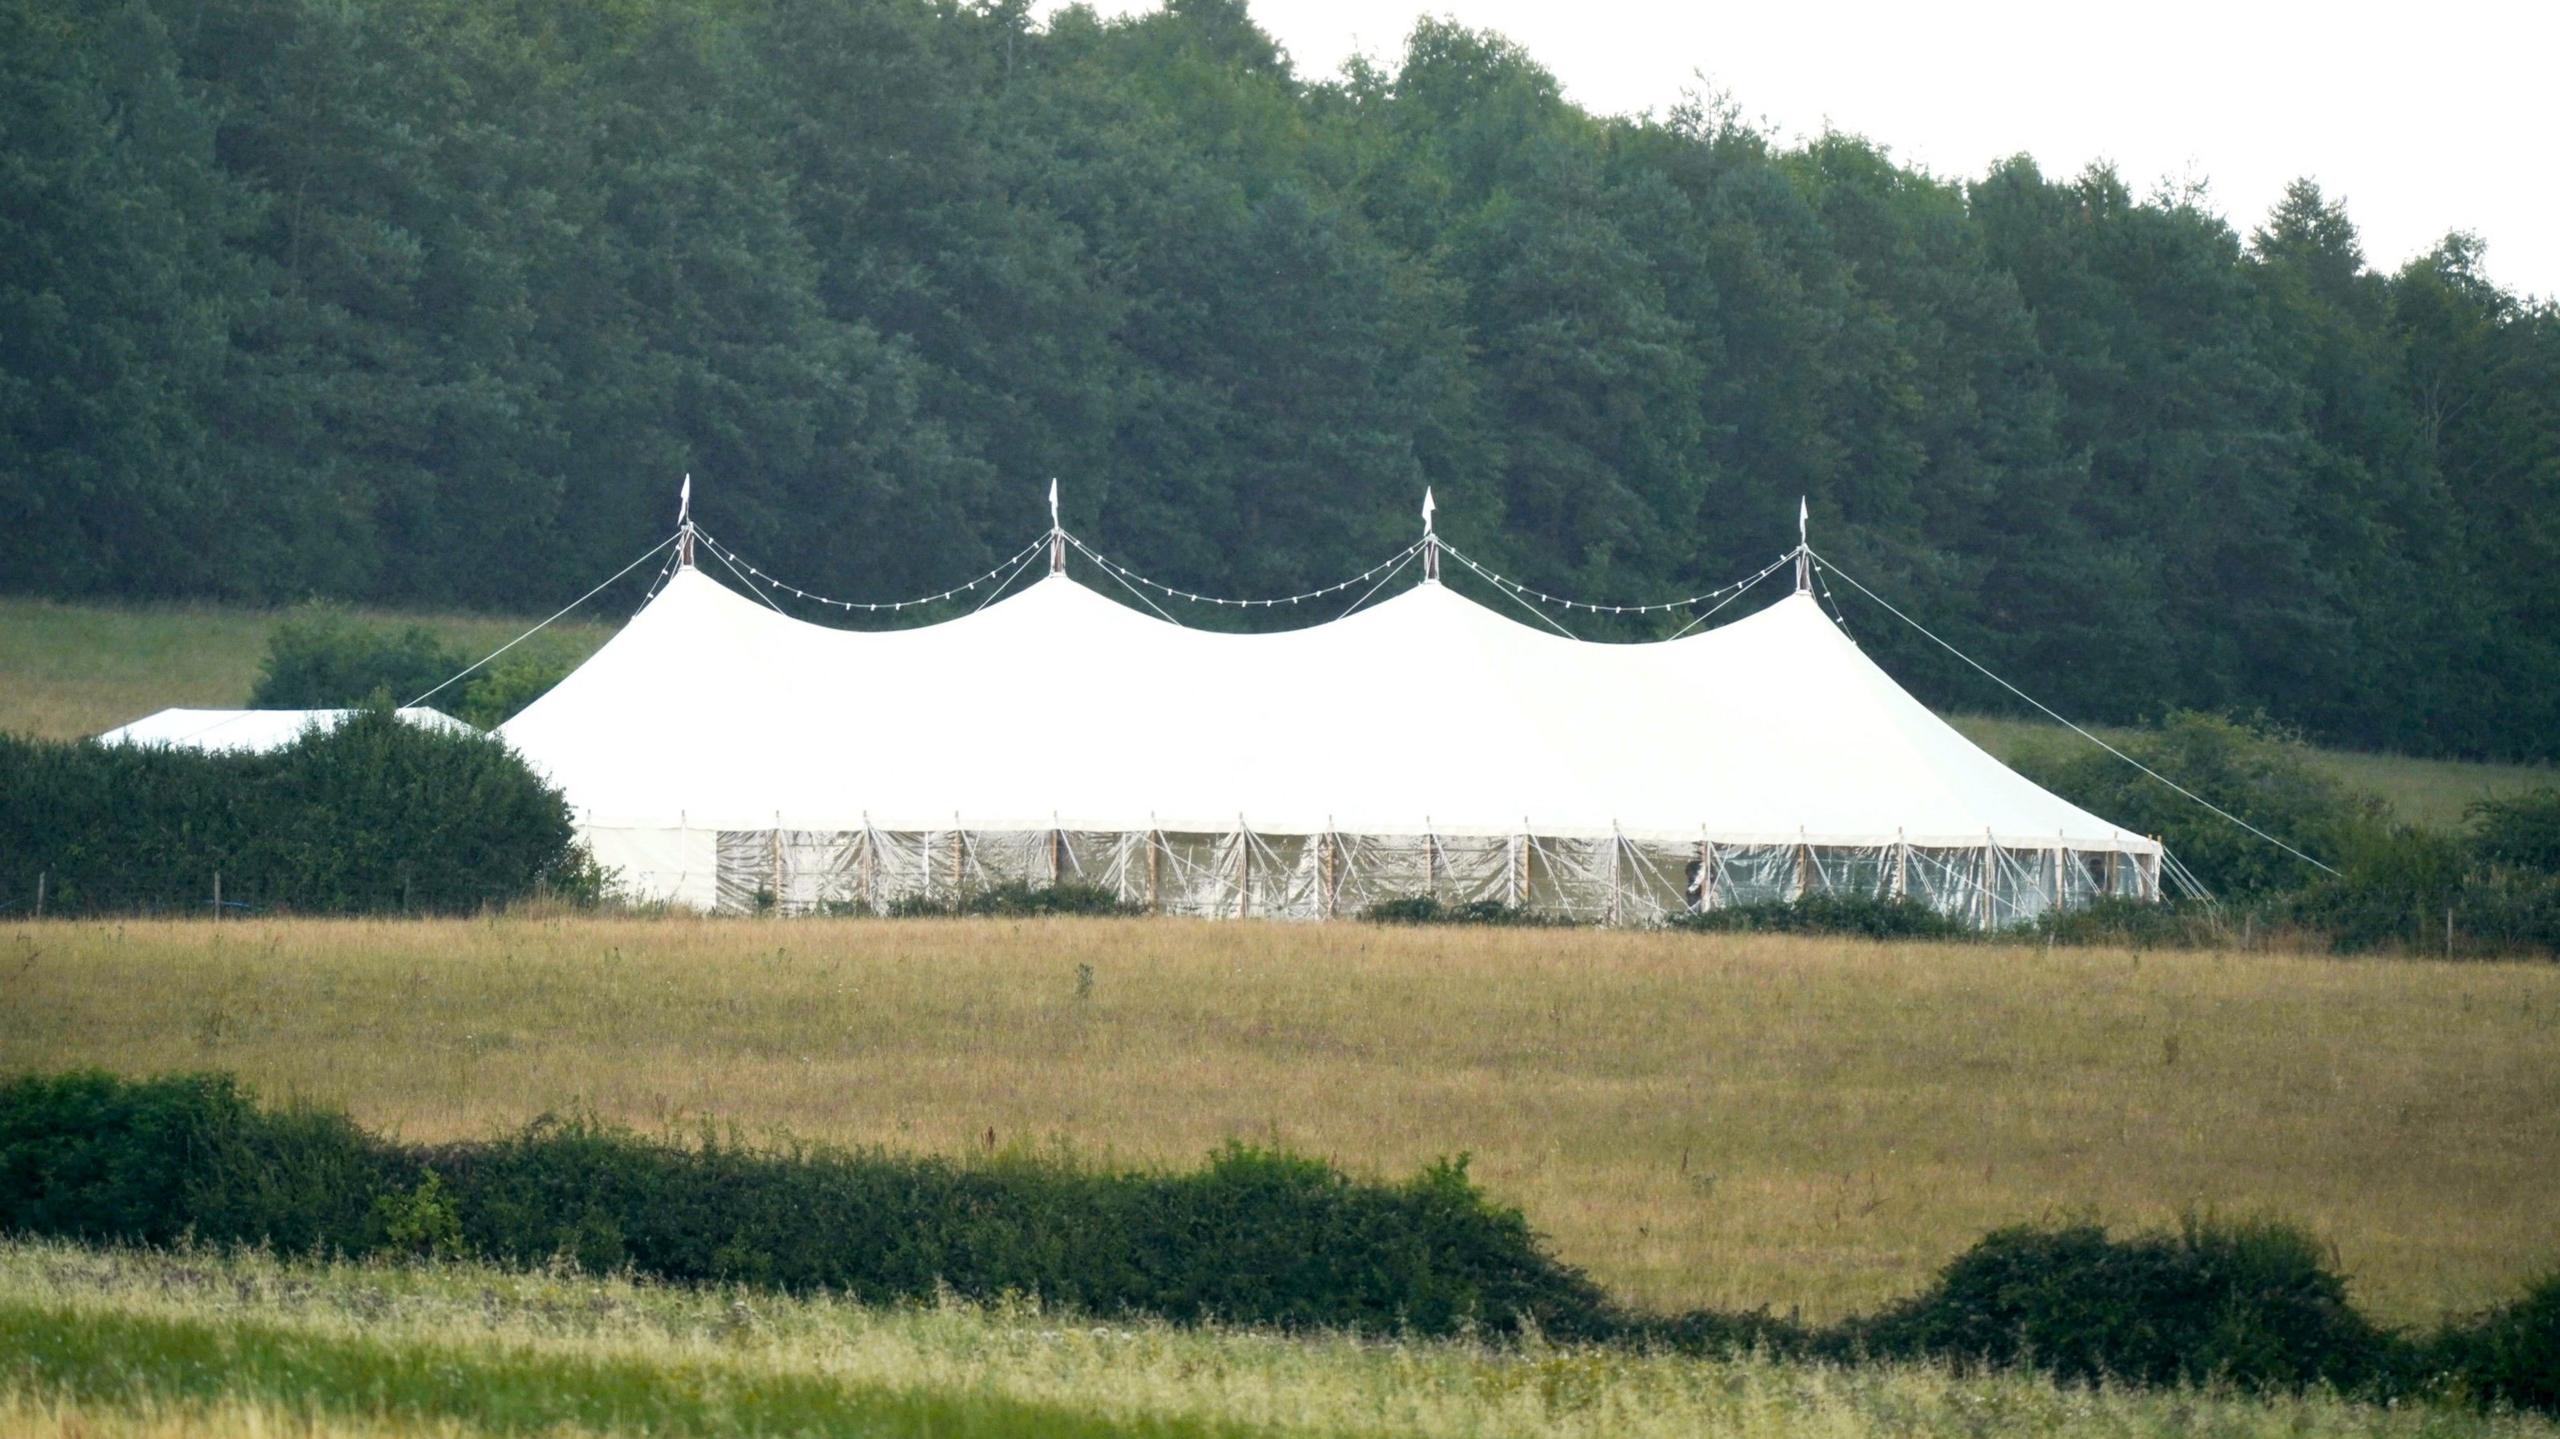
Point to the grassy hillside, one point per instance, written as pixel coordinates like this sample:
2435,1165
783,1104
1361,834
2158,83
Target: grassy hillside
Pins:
2432,792
1697,1120
68,670
135,1343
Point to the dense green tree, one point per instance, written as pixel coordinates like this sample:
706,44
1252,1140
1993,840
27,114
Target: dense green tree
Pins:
433,302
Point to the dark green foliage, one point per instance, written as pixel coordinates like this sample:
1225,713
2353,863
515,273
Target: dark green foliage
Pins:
2508,1355
493,696
1424,909
375,816
2137,923
1865,916
323,658
2255,772
432,304
2253,1304
90,1156
2521,832
1018,898
1254,1237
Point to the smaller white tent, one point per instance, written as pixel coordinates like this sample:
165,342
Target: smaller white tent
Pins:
252,731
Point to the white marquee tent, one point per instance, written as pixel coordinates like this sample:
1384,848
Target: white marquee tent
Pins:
253,731
721,755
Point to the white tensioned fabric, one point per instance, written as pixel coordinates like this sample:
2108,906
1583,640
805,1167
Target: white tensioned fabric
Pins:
252,730
1427,728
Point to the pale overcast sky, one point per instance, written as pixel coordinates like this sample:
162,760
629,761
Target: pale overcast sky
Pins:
2423,117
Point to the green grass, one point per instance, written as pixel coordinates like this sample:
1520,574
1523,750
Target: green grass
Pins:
1716,1120
107,1342
69,670
2430,792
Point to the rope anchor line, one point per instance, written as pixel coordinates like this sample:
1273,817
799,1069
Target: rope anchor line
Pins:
2057,717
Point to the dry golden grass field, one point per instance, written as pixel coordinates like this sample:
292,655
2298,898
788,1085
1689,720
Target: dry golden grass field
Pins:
1724,1120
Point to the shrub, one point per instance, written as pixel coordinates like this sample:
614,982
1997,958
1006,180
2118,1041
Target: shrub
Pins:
2252,770
2253,1304
324,658
2508,1355
374,815
1867,916
495,694
1254,1237
1425,909
1017,898
2521,832
2139,923
89,1156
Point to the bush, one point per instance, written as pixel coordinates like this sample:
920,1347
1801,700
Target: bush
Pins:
376,815
2521,832
494,695
1255,1237
2252,770
2136,923
2253,1304
1017,898
1866,916
2510,1354
1425,909
324,658
93,1157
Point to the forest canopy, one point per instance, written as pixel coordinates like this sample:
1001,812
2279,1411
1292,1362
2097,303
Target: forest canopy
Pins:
430,302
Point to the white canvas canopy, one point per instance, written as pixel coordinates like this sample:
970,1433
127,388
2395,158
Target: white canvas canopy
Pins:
251,731
720,754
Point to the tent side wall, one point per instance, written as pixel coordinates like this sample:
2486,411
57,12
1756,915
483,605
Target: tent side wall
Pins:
1244,873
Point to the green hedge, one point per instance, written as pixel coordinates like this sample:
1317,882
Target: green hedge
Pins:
1866,916
376,815
1253,1237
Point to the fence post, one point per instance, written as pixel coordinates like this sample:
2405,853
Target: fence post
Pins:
40,877
217,894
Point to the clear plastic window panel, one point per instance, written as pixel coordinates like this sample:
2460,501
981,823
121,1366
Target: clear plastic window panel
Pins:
1244,874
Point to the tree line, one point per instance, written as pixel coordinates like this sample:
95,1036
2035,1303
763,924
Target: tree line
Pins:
431,302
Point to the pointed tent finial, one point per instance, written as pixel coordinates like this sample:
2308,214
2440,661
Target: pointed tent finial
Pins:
684,521
1430,540
1804,546
1057,533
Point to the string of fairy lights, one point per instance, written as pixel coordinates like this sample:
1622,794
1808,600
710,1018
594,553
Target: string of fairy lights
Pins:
1002,574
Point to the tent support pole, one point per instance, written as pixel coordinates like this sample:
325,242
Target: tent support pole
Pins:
1431,864
958,858
773,851
1155,875
1990,874
1616,842
1244,870
1901,868
1804,868
870,870
1057,843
